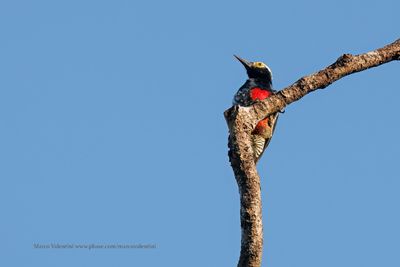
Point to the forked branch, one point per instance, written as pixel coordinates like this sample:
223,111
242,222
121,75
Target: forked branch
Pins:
241,122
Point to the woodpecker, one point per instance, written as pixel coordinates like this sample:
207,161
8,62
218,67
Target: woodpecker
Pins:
257,87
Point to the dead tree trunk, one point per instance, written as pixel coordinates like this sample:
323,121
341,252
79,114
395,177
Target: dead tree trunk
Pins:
242,120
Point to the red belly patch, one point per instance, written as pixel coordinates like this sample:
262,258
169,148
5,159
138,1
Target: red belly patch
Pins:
261,126
258,93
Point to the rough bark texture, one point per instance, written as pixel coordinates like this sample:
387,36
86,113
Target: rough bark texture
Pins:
242,120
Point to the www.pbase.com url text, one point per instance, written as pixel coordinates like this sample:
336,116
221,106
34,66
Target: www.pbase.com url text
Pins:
93,246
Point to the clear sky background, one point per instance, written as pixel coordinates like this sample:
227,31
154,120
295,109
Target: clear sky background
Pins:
112,132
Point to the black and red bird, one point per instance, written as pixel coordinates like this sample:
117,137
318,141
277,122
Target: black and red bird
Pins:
257,87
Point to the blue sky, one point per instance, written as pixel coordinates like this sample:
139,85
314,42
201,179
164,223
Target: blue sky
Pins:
112,132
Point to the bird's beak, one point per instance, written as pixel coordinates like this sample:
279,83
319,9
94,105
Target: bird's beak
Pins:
245,63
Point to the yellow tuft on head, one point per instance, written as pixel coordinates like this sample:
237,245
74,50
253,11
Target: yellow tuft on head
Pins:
259,65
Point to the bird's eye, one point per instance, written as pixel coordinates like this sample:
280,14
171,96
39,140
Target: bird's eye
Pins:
260,65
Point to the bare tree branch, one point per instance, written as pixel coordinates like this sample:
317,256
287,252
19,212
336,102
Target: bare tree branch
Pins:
242,120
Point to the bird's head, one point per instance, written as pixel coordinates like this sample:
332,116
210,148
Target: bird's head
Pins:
257,70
